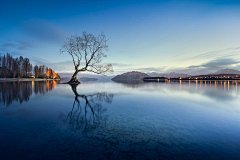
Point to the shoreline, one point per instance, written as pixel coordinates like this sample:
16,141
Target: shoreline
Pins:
25,79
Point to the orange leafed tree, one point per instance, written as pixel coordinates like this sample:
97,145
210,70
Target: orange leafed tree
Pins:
51,74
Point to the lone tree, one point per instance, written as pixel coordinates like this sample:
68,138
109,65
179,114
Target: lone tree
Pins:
87,53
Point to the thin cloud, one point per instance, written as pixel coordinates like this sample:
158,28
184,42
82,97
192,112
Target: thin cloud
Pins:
14,54
152,69
218,53
221,63
210,67
8,44
44,31
64,66
23,45
3,49
215,64
121,65
20,45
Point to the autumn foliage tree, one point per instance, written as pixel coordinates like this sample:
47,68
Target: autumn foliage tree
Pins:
87,52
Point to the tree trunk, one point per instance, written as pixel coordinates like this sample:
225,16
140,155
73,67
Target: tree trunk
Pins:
74,79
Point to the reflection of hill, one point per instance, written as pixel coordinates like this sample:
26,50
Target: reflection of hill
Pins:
132,83
87,110
22,91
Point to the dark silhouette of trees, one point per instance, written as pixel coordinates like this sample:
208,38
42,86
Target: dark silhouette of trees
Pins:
20,62
39,71
9,65
36,72
22,68
87,51
27,67
49,73
15,67
4,68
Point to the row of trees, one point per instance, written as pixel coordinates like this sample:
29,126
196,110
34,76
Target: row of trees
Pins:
39,71
45,72
15,67
22,68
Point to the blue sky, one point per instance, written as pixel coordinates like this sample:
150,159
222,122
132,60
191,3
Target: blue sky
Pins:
191,37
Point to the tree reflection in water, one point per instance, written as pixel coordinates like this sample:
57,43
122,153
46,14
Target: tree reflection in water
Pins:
87,110
22,91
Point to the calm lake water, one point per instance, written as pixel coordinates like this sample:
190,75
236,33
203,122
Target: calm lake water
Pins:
169,120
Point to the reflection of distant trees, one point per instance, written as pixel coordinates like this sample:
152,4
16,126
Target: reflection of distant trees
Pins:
87,110
15,91
131,83
22,91
42,87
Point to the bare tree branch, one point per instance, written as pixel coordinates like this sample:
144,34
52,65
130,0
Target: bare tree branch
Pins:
92,49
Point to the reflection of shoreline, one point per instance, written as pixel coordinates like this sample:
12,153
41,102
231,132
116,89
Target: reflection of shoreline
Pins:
212,82
223,83
219,90
201,80
25,79
22,91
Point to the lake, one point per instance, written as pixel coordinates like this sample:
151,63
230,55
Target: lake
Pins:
109,120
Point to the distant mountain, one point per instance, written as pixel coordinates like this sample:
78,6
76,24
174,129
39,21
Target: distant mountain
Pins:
227,71
88,79
168,75
130,76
